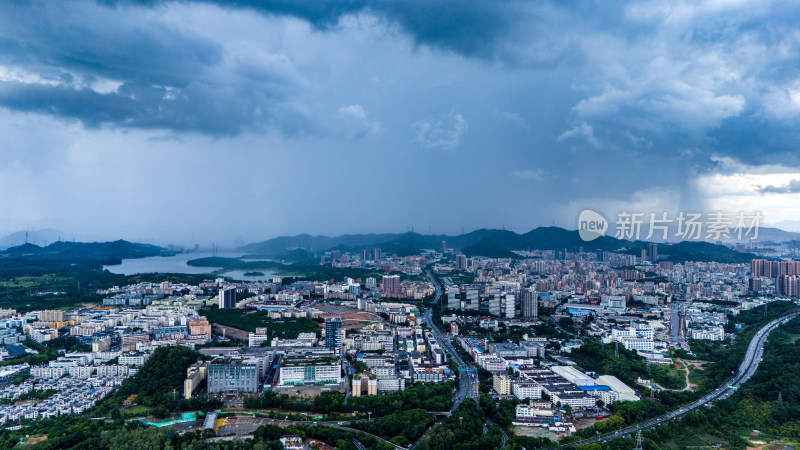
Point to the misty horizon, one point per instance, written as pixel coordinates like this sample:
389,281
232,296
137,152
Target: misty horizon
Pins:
201,121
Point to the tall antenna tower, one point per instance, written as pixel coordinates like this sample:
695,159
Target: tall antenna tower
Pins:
638,441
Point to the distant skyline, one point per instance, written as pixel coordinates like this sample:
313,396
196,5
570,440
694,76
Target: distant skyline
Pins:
204,121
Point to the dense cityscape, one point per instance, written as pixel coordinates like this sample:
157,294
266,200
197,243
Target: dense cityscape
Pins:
546,348
402,224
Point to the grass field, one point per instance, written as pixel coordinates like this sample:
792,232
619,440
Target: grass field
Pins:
42,282
676,376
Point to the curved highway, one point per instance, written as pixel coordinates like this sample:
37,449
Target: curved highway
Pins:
746,369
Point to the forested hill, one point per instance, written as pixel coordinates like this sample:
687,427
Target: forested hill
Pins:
85,252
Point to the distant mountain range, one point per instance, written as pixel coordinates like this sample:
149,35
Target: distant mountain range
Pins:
83,252
304,247
40,237
765,234
485,242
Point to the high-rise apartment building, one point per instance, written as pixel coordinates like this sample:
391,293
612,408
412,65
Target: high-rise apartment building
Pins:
772,269
461,262
227,298
653,251
509,306
529,304
453,297
471,299
390,285
754,285
333,330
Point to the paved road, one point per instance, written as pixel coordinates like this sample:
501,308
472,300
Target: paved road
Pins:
246,425
746,369
468,386
675,325
562,329
468,382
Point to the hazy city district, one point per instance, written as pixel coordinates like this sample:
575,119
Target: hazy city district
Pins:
433,349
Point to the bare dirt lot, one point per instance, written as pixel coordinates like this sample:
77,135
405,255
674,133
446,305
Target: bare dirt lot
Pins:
231,332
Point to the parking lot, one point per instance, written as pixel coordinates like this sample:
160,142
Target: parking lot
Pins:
241,425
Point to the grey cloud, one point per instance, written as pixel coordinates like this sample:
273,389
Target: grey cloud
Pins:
441,132
541,84
582,130
470,28
752,139
92,63
793,187
196,108
356,122
101,42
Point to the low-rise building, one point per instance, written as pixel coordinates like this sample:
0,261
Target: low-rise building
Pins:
300,371
230,374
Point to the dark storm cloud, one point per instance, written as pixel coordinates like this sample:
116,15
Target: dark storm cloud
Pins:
469,28
103,43
755,139
548,106
169,78
156,75
197,107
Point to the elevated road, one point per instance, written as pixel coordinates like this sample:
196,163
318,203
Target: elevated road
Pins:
746,369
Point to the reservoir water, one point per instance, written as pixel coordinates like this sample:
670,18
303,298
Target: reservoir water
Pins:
178,264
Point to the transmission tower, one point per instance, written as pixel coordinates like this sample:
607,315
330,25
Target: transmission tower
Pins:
638,441
780,399
616,350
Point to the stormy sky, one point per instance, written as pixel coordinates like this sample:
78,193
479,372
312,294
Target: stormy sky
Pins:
200,121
